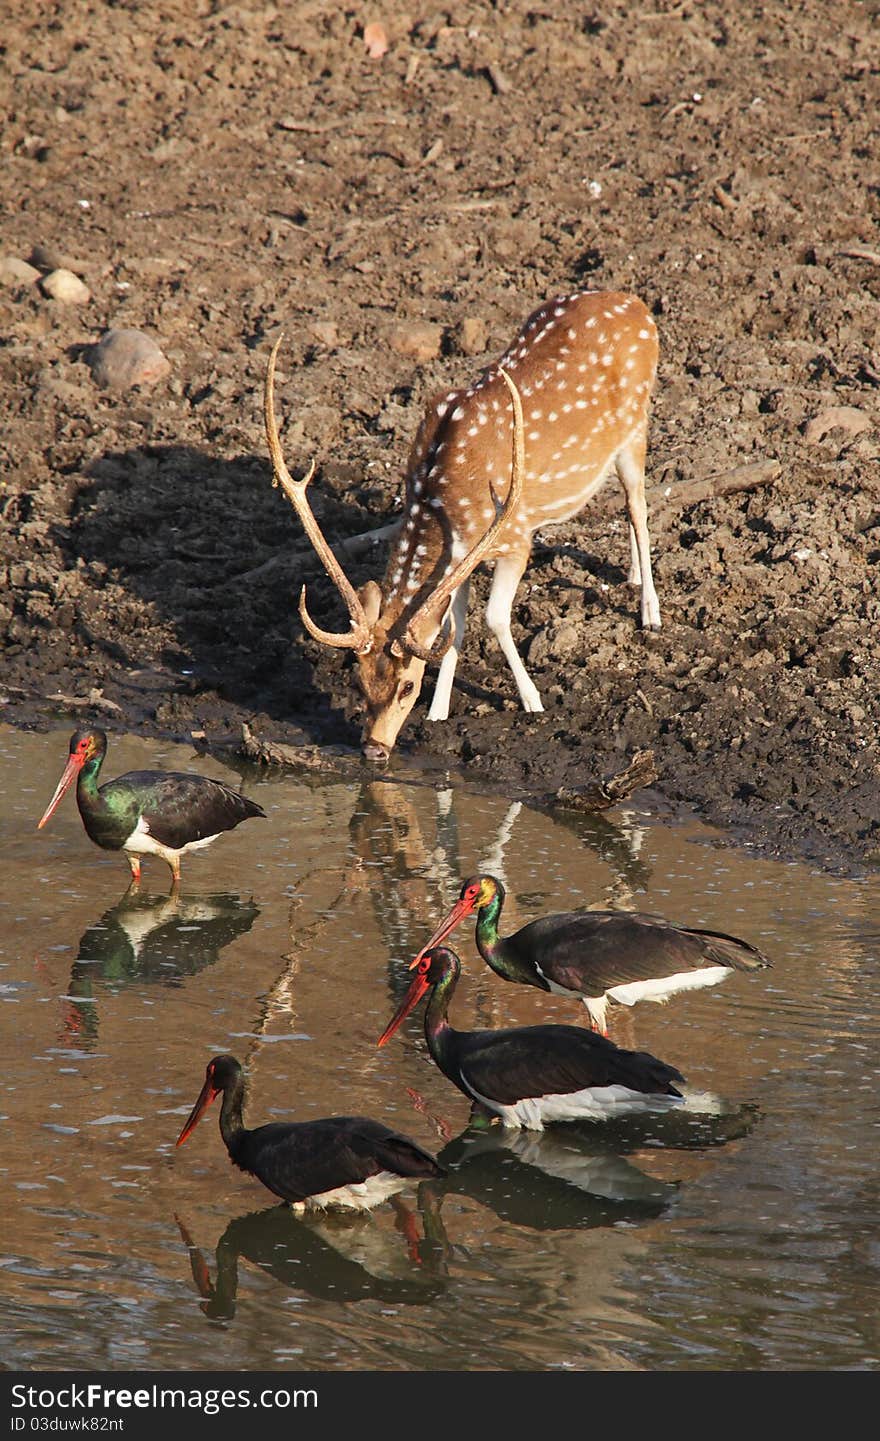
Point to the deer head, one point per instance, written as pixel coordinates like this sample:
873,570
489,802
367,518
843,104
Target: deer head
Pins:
393,640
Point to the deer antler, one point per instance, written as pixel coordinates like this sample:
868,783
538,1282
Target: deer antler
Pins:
468,563
360,636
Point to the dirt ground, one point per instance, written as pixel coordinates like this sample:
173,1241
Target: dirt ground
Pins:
215,172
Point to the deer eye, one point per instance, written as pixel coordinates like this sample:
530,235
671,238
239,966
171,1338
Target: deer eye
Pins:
406,689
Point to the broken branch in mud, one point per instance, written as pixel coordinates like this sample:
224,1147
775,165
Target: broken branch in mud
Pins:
310,757
602,795
692,492
861,252
95,700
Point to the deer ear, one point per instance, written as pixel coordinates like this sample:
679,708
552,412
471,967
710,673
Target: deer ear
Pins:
370,597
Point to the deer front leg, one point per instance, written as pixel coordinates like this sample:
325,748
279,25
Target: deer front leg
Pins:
508,574
630,463
443,689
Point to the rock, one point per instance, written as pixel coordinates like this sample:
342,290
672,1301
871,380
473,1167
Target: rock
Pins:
17,272
123,358
63,285
375,39
559,640
418,339
836,417
472,335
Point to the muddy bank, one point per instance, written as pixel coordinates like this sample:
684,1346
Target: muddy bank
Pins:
212,180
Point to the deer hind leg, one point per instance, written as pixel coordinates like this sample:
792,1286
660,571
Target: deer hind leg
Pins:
508,574
630,464
634,574
443,689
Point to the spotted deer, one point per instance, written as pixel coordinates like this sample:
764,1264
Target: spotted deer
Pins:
525,446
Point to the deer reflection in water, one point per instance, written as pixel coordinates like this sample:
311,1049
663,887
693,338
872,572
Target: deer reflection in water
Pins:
411,871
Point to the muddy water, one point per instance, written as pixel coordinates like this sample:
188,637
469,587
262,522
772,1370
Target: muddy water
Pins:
745,1240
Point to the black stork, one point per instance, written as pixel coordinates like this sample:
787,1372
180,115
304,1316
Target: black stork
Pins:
532,1074
600,956
154,813
346,1162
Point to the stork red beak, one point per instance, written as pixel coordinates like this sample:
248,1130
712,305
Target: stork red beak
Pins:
208,1092
410,1001
71,771
460,911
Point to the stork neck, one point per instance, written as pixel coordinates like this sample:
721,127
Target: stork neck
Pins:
88,795
110,812
231,1124
488,916
497,952
438,1032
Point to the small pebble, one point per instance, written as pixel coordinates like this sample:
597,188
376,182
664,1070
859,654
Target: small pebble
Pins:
375,39
63,285
472,335
123,358
418,339
17,272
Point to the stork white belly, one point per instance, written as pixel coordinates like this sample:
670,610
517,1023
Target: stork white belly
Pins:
359,1196
658,990
665,986
595,1103
142,843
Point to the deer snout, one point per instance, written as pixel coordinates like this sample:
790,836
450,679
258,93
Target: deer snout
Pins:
375,751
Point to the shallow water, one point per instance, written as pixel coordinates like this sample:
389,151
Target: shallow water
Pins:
743,1241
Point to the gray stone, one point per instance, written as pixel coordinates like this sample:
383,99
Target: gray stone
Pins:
124,358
